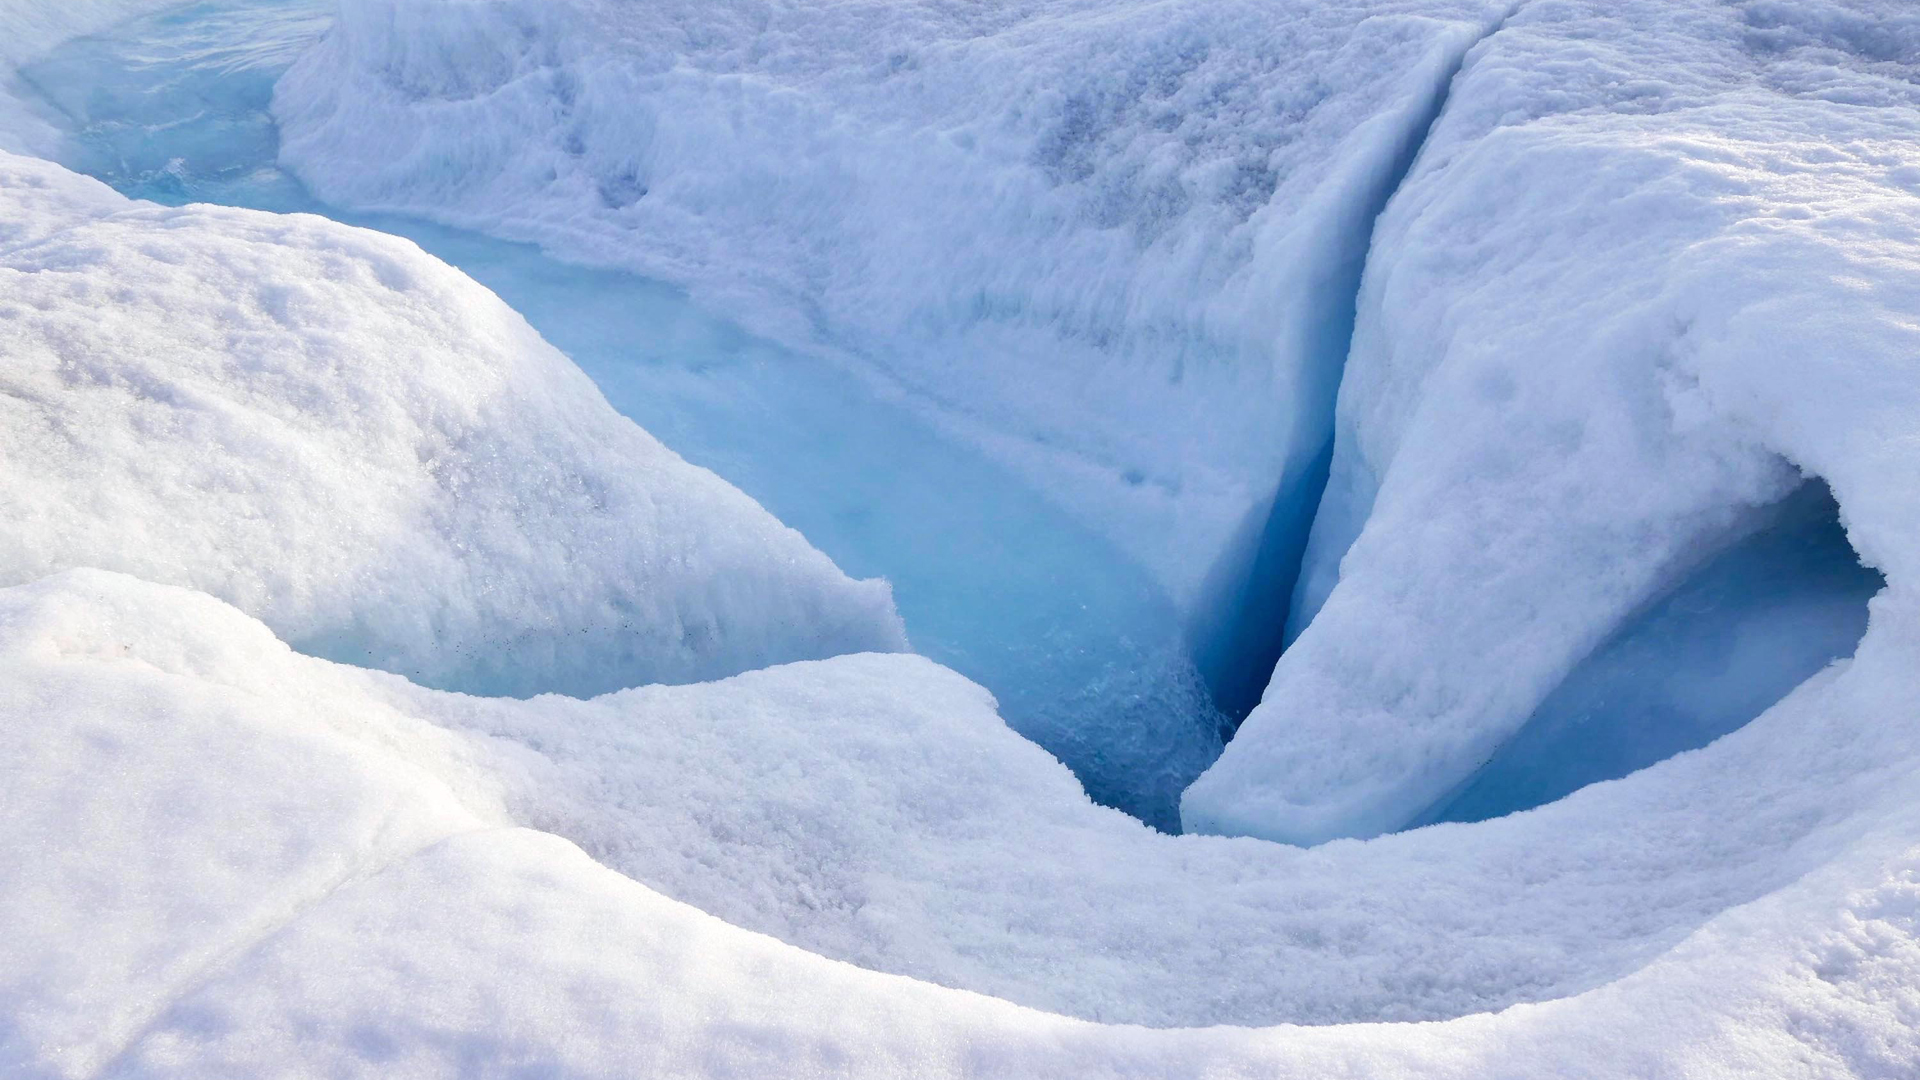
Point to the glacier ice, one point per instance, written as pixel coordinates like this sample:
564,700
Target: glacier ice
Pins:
28,31
881,814
1641,301
1655,263
1735,636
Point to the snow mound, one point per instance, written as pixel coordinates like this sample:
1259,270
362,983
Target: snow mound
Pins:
1655,264
359,445
297,861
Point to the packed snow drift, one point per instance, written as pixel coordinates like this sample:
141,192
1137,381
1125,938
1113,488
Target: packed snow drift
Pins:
1543,375
371,453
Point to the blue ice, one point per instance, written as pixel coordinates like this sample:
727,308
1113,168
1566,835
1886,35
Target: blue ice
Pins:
1736,636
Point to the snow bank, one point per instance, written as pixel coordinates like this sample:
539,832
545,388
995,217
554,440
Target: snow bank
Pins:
299,862
1116,245
371,453
1656,262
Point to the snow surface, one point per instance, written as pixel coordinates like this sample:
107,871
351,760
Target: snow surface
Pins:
299,865
356,443
1655,262
225,857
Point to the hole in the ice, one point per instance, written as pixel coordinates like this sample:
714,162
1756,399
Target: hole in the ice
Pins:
1735,637
1236,653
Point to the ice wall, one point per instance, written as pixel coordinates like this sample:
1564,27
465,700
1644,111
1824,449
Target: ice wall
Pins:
1110,244
356,443
1656,260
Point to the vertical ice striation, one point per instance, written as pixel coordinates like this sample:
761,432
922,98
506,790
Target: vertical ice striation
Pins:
1588,356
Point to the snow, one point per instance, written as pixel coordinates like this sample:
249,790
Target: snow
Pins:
302,862
1632,378
1738,635
747,1007
1655,263
356,443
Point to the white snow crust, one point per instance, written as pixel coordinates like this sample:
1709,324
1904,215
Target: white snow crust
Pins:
371,453
299,866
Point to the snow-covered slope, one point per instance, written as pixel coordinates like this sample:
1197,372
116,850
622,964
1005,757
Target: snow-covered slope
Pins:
1656,261
357,444
298,865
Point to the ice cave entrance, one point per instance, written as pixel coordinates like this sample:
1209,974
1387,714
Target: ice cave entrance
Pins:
1084,652
1732,638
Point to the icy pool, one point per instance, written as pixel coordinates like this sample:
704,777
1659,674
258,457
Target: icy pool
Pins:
1081,648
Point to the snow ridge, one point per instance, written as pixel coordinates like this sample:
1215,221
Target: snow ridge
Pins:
361,446
1539,435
